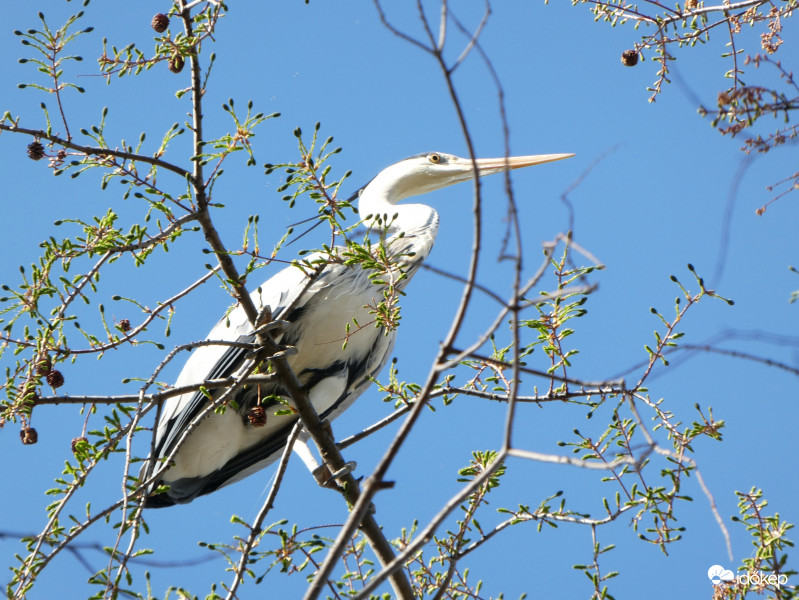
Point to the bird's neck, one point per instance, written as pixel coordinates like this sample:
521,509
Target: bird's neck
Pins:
407,219
415,224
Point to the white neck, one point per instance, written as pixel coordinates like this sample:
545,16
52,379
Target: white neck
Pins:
417,222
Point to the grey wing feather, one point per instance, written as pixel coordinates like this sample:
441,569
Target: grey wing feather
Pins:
191,405
279,293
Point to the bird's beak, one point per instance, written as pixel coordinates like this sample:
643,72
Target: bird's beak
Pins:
486,166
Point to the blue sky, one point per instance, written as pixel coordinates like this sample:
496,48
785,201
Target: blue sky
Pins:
656,193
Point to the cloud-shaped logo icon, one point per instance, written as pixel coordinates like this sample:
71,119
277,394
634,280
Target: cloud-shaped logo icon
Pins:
717,574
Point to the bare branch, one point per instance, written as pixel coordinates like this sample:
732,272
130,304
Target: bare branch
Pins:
255,528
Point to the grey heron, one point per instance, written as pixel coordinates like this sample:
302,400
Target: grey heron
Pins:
226,447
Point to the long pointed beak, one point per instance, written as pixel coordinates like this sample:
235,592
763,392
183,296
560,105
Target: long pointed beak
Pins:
486,166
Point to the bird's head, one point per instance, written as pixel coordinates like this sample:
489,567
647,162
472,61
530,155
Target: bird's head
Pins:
431,171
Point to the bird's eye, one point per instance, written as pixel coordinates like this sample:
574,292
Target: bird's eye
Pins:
434,158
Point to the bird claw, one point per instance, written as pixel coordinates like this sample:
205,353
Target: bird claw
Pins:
325,478
348,467
284,352
273,325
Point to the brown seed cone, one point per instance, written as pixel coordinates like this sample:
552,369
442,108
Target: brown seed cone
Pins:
629,58
160,22
257,416
35,150
124,325
28,435
76,441
44,367
176,63
55,378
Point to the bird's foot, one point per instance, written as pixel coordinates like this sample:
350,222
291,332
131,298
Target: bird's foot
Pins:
273,326
326,478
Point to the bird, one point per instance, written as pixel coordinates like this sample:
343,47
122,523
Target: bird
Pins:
319,309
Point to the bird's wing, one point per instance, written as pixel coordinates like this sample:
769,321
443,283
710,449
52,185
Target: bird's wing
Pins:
273,436
217,361
225,448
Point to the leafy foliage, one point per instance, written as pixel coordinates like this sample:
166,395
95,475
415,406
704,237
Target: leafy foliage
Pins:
741,106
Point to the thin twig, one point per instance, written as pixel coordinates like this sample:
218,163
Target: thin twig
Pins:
95,151
255,528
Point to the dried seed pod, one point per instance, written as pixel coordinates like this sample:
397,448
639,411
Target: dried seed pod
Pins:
55,378
176,63
124,325
28,436
629,58
257,416
160,22
44,367
35,150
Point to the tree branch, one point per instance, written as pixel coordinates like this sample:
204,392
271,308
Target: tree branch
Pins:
95,151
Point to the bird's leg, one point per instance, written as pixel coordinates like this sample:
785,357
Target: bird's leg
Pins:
264,325
264,317
303,450
321,473
324,477
265,322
